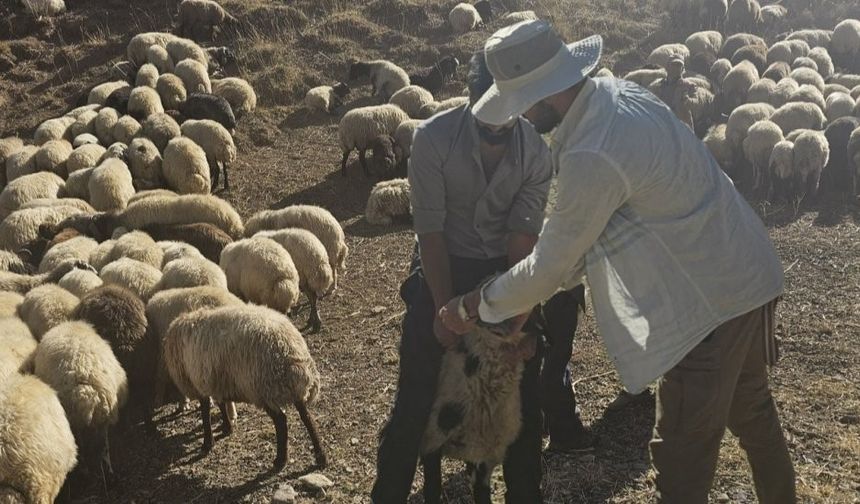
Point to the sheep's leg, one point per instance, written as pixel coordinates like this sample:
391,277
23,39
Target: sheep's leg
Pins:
214,173
432,464
363,160
481,484
314,321
313,432
226,181
812,183
280,420
205,406
226,420
343,161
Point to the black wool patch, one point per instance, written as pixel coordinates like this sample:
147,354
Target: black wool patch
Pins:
471,365
451,415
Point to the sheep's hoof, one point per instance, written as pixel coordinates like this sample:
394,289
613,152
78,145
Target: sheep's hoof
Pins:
207,447
321,460
280,463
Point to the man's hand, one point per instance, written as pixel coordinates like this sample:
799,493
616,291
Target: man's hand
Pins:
445,336
450,316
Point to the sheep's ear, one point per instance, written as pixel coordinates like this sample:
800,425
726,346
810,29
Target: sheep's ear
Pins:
46,232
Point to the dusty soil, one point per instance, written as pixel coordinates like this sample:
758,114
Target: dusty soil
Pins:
288,155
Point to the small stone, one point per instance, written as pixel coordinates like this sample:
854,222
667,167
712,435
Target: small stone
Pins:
376,310
850,419
353,441
285,494
723,497
316,481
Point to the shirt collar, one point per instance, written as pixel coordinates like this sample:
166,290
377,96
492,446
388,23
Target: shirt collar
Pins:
574,115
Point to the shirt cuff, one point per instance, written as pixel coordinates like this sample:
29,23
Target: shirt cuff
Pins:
428,221
485,310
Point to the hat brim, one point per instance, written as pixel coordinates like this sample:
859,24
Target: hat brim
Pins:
499,106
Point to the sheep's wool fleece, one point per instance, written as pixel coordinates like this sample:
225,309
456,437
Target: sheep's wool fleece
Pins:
134,275
188,209
387,199
37,444
358,127
46,307
317,220
185,168
250,353
476,414
16,347
309,256
76,362
262,272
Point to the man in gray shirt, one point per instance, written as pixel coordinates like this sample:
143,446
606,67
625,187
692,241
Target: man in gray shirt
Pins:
478,197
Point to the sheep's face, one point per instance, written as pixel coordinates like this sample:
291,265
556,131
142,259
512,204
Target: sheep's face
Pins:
358,70
341,89
384,158
448,66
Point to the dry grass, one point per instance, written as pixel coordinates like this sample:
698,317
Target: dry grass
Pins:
288,155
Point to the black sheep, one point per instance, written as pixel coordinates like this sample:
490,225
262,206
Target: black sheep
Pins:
432,78
208,106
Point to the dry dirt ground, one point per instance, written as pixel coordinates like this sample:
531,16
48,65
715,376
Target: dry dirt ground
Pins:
290,156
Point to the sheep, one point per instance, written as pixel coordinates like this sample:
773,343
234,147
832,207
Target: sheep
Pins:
837,105
804,62
171,90
194,76
143,102
317,220
110,186
160,128
84,139
125,129
411,98
839,175
737,127
147,76
316,278
738,40
761,92
217,144
104,123
21,162
208,106
38,447
16,343
822,61
78,248
743,15
718,71
777,71
100,257
182,48
9,146
52,156
326,98
92,386
149,193
13,263
771,14
385,160
185,168
661,55
188,209
358,127
845,42
240,95
191,272
830,89
45,307
808,94
77,185
138,45
754,54
40,8
712,13
385,77
757,147
432,78
197,15
854,154
786,51
737,83
403,136
848,80
813,38
22,226
644,77
144,163
136,245
119,317
116,150
811,154
138,277
704,42
80,281
23,283
388,200
799,115
260,358
174,250
99,94
208,239
53,129
118,100
158,57
783,91
464,18
262,272
807,76
27,188
85,156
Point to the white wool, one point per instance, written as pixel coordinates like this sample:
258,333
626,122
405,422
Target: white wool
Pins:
661,55
799,115
136,276
45,307
28,188
194,76
738,81
138,45
80,281
181,48
44,7
261,271
185,168
213,138
142,103
387,200
822,59
782,160
704,42
839,105
846,37
100,93
645,77
808,76
814,38
741,119
464,18
359,126
110,186
238,93
411,99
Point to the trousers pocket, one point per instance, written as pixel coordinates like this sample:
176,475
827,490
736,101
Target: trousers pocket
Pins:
695,385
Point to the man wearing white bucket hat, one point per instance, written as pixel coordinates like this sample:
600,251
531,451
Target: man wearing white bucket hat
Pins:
684,279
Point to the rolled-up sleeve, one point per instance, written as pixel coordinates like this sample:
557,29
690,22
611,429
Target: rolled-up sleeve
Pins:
427,185
591,188
527,212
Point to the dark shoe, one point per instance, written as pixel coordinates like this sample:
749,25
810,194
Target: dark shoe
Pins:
578,440
626,399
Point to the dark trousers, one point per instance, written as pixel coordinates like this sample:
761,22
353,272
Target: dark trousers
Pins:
420,360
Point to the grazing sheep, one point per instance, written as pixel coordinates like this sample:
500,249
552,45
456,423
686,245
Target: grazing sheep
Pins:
799,115
823,61
80,281
22,283
786,51
158,57
186,209
137,47
809,94
771,14
13,263
39,8
100,257
761,92
316,278
403,136
644,77
326,98
174,250
8,146
118,100
239,94
783,91
807,76
53,129
84,139
738,125
411,98
104,124
147,76
208,239
78,183
27,188
384,158
142,103
182,48
134,275
736,85
704,42
191,272
260,358
99,94
197,16
699,64
388,200
464,18
743,15
777,71
119,317
434,108
662,55
848,80
839,175
317,220
385,77
518,16
160,128
719,70
757,146
171,90
830,89
22,226
125,129
52,156
85,156
144,161
78,248
185,168
194,76
797,172
713,13
77,112
738,40
261,272
432,78
45,307
110,186
813,38
754,54
16,344
38,448
208,106
837,105
217,144
92,386
360,126
845,42
136,245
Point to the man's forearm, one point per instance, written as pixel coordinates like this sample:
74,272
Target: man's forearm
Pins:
436,266
520,245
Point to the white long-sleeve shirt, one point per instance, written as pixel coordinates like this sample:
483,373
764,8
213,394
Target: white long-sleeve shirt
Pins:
670,249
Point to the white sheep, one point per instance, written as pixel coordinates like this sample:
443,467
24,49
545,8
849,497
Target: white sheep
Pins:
807,76
200,18
84,139
45,307
804,62
809,94
848,80
740,121
799,115
743,15
259,358
138,45
85,156
147,76
186,209
104,124
846,38
737,83
411,99
837,105
316,278
388,200
53,129
738,40
136,276
78,248
16,345
27,188
171,90
144,161
830,89
238,93
662,55
434,108
811,153
787,51
191,271
126,128
358,128
464,18
326,98
645,76
92,386
38,448
99,94
12,262
194,76
22,283
77,112
217,144
22,226
110,186
136,245
757,146
182,48
52,156
385,77
704,42
783,91
8,146
403,136
771,14
317,220
813,38
719,69
174,250
518,16
55,202
160,128
262,272
761,92
823,61
39,8
80,281
185,168
143,102
78,183
157,56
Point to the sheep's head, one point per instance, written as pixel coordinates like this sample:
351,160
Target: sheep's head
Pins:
485,10
357,70
448,66
98,226
341,89
384,159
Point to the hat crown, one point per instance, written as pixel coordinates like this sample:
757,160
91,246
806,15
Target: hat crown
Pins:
521,48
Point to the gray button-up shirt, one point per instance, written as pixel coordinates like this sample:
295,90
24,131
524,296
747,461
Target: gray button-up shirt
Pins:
451,194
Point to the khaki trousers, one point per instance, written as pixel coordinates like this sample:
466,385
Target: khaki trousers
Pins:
721,383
